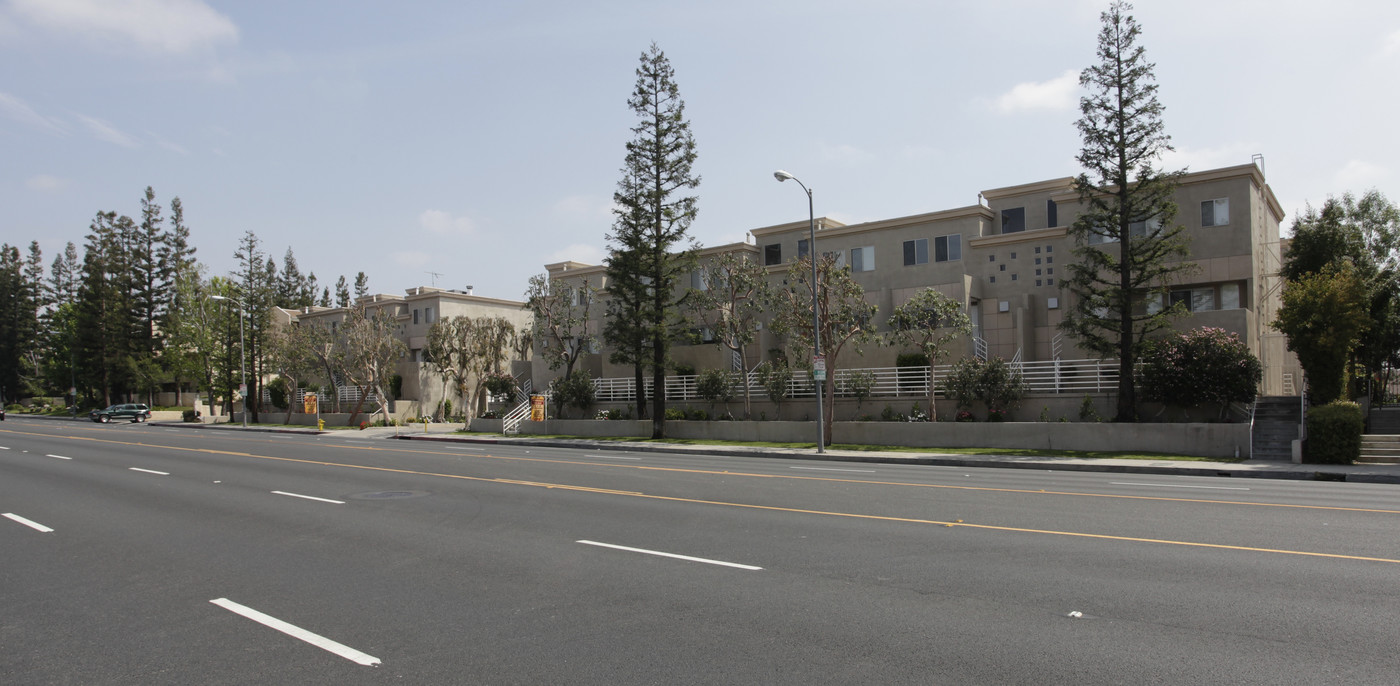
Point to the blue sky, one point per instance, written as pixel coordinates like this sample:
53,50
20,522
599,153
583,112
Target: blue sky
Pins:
483,140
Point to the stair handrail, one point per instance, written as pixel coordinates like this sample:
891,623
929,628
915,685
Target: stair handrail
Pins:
1252,408
510,423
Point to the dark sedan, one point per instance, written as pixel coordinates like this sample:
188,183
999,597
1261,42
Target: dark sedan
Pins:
136,412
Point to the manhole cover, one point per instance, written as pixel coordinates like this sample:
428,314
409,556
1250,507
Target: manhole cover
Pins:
388,495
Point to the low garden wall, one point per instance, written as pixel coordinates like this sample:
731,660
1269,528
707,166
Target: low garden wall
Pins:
1205,440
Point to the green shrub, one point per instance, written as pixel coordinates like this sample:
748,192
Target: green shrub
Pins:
1087,413
860,384
396,386
911,359
699,415
1201,366
575,391
685,369
189,415
774,377
674,414
889,415
277,389
715,385
1334,433
994,382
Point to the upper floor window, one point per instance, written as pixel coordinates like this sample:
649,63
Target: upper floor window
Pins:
1052,214
803,249
916,252
698,280
1013,220
947,248
427,315
415,316
863,259
772,254
1215,212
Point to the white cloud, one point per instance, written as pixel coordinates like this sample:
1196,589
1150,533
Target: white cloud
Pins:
45,183
1391,45
1056,94
175,26
103,131
587,254
168,145
444,224
845,153
1359,175
20,111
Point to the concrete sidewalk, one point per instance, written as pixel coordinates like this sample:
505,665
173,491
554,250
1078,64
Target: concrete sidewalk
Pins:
1249,469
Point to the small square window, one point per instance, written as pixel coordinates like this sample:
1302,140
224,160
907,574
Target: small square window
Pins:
1049,282
1049,248
772,254
1049,260
1013,255
1013,277
1052,303
1037,250
1037,272
991,258
992,279
1037,260
1037,282
1001,267
1049,270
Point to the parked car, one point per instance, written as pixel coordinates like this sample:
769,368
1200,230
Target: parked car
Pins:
136,412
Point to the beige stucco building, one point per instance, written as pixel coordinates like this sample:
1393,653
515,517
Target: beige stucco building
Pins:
1003,257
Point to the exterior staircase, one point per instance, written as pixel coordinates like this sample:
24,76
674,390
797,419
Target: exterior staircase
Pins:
1381,443
1276,422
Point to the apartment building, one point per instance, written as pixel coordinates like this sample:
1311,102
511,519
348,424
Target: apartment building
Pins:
1003,258
415,312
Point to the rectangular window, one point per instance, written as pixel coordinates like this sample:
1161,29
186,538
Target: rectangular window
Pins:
1052,214
772,254
1215,212
1196,299
863,259
802,249
916,252
837,258
1230,296
415,316
1037,272
1037,260
992,279
1001,268
947,248
427,315
1037,282
1013,220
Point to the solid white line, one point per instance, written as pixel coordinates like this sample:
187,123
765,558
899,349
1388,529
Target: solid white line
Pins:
60,457
310,497
33,525
613,457
148,471
297,632
3,447
1216,488
832,469
671,555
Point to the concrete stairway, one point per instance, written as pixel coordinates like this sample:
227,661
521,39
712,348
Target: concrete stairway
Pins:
1381,444
1276,420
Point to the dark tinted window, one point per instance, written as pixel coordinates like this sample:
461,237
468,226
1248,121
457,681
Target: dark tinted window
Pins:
773,254
1013,220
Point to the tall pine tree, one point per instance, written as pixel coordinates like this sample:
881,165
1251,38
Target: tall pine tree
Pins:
654,214
1129,243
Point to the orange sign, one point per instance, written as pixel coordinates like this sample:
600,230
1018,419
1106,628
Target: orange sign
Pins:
308,403
536,408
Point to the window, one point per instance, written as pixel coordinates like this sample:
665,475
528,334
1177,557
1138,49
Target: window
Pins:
772,254
1001,267
697,280
802,249
1230,296
947,248
1037,260
427,315
1215,212
1135,229
1195,299
1013,220
1049,270
1037,272
1049,248
415,316
1049,260
1037,251
1013,277
991,258
1013,255
838,258
1049,282
1052,214
863,259
916,252
1037,282
992,279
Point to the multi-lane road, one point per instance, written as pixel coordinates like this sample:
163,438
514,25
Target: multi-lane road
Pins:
142,554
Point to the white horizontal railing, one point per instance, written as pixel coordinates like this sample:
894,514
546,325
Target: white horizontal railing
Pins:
1047,376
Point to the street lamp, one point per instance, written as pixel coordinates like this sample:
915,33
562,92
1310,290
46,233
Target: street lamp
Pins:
781,176
242,356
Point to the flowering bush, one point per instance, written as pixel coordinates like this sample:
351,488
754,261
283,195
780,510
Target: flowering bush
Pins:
916,414
499,384
1205,365
995,415
964,416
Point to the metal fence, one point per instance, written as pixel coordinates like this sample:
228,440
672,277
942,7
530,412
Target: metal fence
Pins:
1049,376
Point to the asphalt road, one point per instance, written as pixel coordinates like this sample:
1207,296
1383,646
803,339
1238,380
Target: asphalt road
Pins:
141,554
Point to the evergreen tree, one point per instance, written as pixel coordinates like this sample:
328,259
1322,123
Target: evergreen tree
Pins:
256,292
1126,201
105,319
654,214
19,322
149,277
361,286
342,293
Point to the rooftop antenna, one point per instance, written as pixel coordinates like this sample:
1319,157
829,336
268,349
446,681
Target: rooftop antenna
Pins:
435,276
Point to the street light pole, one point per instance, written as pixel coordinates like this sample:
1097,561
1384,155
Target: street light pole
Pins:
242,355
781,176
